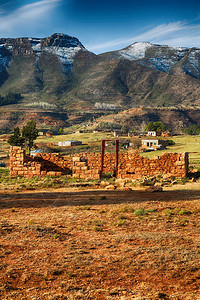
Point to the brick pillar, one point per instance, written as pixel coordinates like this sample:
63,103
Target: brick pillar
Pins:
17,159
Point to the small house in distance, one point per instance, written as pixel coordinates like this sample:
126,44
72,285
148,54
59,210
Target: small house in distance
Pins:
69,143
41,133
152,133
154,144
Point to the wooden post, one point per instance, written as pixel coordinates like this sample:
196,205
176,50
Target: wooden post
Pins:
102,156
116,156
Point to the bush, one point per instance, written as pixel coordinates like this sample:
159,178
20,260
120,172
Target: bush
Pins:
139,212
2,164
142,211
170,142
98,225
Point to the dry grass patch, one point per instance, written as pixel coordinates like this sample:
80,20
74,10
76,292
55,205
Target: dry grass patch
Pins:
71,250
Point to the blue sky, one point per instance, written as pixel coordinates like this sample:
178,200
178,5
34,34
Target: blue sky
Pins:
105,25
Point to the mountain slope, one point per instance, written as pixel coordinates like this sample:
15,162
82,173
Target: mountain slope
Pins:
41,68
129,83
57,74
60,71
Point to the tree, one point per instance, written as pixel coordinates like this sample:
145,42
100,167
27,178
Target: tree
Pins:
30,133
16,139
156,126
60,131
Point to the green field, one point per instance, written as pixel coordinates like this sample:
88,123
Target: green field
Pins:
84,137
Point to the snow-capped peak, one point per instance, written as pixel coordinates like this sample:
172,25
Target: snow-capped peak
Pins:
135,51
65,47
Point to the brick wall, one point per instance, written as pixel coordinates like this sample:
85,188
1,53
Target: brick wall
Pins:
131,165
136,166
88,165
42,164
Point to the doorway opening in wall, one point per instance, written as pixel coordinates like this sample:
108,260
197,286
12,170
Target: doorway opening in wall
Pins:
103,145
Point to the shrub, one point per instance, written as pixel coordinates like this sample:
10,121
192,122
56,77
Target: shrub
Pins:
168,212
142,211
121,222
170,142
139,212
2,164
184,212
98,225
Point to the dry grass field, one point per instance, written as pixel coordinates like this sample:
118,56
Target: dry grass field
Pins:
100,244
60,241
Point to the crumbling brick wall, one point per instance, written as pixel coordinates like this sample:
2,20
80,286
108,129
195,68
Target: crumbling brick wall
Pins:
131,165
42,164
88,165
135,166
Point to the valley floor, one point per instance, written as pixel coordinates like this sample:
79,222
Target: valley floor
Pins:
100,245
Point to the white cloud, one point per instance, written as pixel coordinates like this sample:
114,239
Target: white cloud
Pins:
26,17
180,34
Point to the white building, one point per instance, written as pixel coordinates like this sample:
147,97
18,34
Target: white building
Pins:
152,133
69,143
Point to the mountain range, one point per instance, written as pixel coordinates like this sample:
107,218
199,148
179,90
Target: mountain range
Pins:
59,75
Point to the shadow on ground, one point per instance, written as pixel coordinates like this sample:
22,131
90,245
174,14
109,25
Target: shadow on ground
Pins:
92,198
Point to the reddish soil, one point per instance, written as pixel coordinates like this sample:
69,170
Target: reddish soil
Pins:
100,245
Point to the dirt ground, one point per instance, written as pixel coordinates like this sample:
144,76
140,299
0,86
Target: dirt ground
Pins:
100,245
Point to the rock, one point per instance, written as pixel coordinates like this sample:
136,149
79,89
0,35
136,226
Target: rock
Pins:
174,182
153,189
193,179
110,187
120,182
126,188
104,183
76,158
166,176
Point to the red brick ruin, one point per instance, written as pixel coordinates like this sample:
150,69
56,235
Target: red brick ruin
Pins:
89,165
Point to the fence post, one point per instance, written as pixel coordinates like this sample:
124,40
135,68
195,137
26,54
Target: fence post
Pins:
116,156
102,156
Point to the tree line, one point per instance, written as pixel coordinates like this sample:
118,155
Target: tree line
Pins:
10,98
